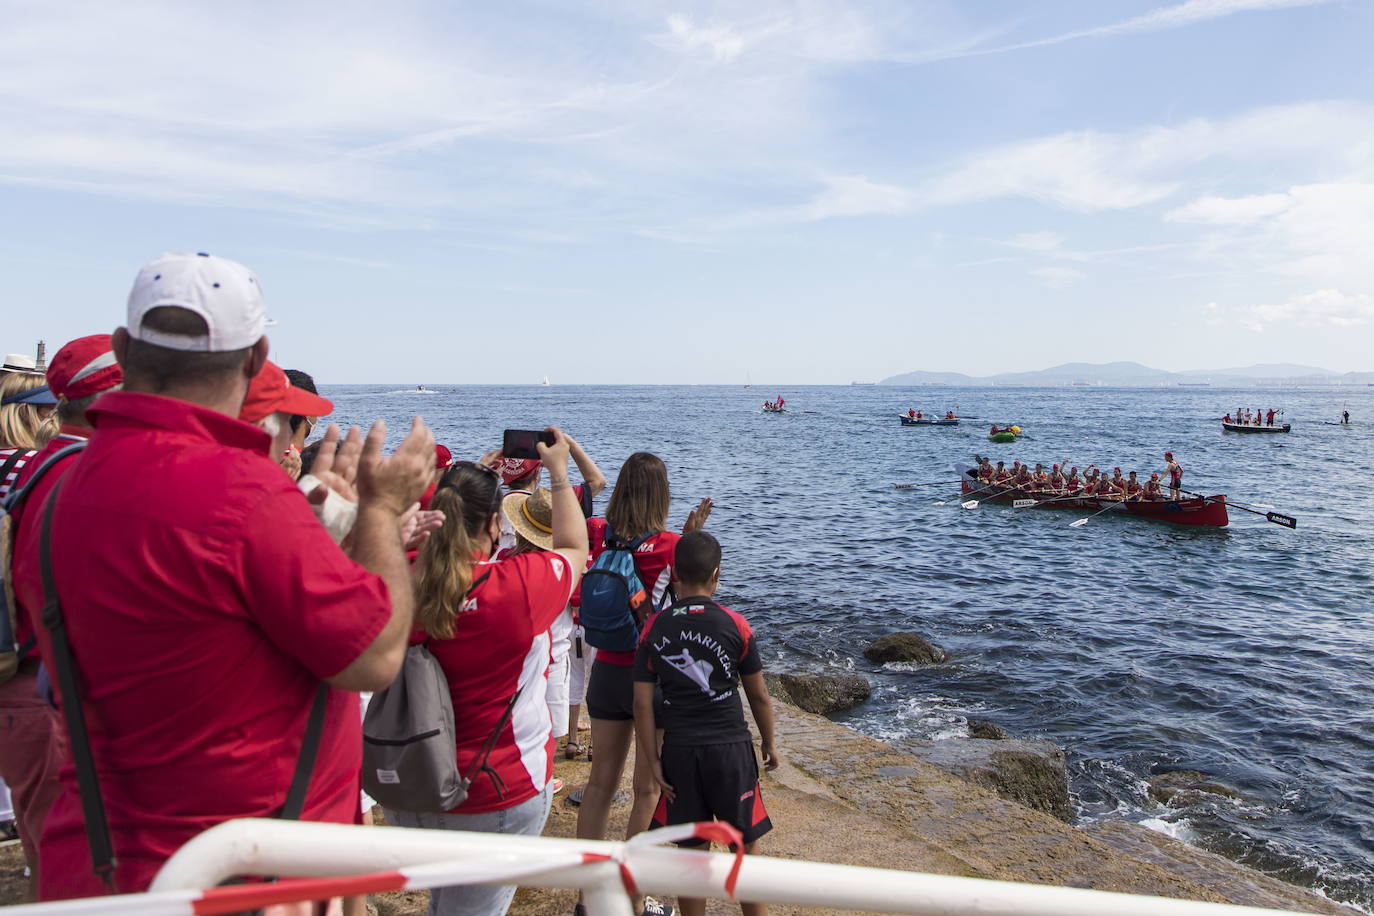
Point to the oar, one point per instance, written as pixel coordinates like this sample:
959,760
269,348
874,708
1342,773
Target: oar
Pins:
1083,521
933,483
947,499
973,503
1278,518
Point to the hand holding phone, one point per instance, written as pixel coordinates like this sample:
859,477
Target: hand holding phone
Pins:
524,443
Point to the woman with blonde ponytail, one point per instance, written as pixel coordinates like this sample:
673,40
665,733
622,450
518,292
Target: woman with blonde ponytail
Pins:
487,622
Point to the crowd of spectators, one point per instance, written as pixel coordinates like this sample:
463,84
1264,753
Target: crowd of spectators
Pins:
200,594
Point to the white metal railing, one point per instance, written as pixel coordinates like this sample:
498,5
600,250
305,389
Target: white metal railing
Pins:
342,860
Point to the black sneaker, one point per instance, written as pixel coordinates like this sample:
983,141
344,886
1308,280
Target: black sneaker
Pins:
653,907
9,833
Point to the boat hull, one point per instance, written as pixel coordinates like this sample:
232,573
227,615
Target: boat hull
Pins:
1002,437
1247,428
1206,512
913,421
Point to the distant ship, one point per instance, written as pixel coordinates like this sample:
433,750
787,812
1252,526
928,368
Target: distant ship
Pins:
863,383
1195,384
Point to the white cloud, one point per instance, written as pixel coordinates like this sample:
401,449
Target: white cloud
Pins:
1057,277
721,41
1323,308
855,195
1037,241
1239,211
1089,171
1167,17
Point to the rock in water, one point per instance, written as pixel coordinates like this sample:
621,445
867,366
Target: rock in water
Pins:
904,647
1181,788
981,728
825,693
1031,773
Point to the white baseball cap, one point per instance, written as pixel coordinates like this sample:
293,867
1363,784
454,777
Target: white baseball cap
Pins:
223,292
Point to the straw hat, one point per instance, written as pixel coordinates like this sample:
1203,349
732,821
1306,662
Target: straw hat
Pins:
531,515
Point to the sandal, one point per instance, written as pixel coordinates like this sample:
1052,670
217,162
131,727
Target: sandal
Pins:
572,750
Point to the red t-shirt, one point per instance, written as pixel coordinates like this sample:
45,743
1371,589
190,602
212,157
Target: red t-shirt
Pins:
654,560
500,644
205,603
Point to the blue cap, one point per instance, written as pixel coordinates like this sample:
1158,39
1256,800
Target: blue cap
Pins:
38,397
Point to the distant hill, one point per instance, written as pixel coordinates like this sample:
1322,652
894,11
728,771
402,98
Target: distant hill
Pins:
1128,374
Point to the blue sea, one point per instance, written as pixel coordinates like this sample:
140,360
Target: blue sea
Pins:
1138,646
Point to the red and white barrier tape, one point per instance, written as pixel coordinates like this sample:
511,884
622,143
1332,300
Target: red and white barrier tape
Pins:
244,897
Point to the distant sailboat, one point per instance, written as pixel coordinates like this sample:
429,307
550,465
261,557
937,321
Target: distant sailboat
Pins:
748,380
546,381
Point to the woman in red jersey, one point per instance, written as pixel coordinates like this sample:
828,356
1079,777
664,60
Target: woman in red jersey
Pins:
638,508
487,623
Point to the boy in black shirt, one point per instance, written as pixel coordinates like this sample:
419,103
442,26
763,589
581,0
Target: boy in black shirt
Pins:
701,654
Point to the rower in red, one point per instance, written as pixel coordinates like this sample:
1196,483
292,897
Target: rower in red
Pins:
1072,483
911,413
1151,489
949,415
985,471
1226,419
1056,478
1117,483
1175,472
1269,417
1132,487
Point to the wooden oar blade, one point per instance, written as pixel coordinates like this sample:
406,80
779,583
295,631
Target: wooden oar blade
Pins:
1078,524
971,504
1022,503
1286,521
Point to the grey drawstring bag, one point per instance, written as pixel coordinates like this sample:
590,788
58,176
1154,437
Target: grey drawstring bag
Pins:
410,750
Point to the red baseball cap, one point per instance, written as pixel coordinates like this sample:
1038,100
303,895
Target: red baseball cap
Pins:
84,367
442,456
270,392
1168,454
517,468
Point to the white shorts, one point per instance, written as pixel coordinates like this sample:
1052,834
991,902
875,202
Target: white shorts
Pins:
560,637
579,667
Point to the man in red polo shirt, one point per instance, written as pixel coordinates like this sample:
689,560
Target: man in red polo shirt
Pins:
203,601
32,741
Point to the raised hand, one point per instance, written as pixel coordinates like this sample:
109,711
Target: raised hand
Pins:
696,519
393,483
417,524
336,465
555,457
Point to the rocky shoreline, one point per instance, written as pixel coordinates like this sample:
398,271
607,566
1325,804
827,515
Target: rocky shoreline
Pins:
987,806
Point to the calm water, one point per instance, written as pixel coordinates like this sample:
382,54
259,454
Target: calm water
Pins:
1138,646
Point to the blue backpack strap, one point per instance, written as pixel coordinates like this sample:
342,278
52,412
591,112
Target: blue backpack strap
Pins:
18,495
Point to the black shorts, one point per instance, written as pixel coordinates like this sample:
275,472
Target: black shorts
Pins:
611,691
713,782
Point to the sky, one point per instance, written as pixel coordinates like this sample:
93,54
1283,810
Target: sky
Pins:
628,191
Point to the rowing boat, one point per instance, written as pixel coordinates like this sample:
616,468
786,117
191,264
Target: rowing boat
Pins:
1204,511
1249,428
925,421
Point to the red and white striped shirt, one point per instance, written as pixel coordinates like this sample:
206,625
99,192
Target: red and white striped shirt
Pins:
501,644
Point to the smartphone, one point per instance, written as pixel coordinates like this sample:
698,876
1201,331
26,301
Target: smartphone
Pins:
520,443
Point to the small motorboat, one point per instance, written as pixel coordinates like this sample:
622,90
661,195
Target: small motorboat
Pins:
926,421
1251,428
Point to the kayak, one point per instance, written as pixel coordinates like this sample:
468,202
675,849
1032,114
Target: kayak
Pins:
1203,511
925,421
1249,428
